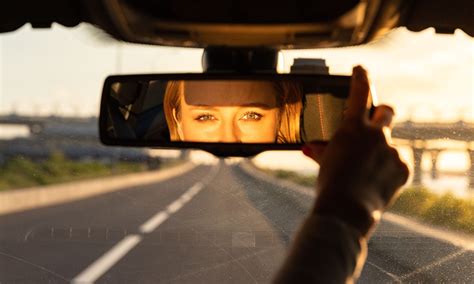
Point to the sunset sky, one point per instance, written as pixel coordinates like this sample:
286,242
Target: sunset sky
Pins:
425,76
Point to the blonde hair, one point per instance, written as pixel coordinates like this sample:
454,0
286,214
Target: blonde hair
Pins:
289,101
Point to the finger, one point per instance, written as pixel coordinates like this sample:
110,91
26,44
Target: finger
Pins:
395,167
314,150
359,94
382,117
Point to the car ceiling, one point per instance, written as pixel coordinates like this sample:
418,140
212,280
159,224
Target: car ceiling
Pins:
444,16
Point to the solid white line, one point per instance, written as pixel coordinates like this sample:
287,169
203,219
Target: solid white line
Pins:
432,265
457,239
106,261
393,276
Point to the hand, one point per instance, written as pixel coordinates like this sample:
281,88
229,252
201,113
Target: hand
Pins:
360,173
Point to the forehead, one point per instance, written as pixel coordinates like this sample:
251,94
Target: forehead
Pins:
230,93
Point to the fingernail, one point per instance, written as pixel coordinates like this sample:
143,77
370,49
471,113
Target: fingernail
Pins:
359,73
306,150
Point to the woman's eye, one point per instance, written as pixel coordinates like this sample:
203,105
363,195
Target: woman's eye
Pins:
251,116
205,117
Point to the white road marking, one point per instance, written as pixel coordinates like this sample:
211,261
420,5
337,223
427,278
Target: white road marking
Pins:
432,265
101,265
391,275
153,223
106,261
457,239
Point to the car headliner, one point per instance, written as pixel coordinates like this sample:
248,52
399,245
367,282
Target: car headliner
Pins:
319,17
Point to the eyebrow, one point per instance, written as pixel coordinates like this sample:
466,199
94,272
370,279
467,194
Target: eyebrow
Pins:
259,105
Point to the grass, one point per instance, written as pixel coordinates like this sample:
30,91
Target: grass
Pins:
20,172
441,210
305,180
419,203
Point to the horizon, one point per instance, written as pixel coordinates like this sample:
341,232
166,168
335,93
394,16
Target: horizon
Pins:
423,84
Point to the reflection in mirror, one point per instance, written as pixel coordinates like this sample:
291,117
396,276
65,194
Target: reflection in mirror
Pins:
233,111
226,111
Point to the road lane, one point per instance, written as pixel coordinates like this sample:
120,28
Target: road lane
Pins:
107,260
235,230
65,238
218,237
400,255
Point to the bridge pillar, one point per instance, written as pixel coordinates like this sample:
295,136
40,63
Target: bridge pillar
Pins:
417,156
434,161
471,169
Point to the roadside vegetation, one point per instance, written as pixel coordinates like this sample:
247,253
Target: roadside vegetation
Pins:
442,210
305,180
21,172
419,203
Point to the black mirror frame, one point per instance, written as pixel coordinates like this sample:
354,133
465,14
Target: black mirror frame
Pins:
337,83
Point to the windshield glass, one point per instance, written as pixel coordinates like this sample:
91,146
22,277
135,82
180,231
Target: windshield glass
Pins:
74,210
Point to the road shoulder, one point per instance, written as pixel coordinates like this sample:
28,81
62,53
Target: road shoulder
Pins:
31,198
455,238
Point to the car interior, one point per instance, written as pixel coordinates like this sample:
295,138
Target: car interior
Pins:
148,205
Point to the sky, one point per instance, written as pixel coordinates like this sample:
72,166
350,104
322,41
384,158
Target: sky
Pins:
424,76
62,70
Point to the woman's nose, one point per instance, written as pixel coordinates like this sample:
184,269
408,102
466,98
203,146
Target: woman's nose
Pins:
228,133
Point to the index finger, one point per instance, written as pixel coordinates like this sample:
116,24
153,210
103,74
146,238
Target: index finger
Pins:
359,94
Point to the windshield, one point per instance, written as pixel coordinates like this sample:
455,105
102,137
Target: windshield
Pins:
74,210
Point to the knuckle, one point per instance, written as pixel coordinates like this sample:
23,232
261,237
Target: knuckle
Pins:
404,172
386,108
394,153
399,168
402,169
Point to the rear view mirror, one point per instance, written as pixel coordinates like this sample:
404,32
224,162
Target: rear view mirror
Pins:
225,114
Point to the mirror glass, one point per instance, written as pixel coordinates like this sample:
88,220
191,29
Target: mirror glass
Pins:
282,111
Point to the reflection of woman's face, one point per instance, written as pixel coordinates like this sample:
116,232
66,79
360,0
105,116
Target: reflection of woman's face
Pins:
228,111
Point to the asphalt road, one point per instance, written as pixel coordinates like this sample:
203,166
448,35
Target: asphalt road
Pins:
211,225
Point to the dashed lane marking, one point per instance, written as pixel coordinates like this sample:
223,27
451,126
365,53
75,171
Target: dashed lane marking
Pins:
117,252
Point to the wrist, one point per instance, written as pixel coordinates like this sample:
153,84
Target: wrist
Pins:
346,210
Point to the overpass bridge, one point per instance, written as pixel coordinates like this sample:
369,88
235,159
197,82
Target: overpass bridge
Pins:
418,135
459,131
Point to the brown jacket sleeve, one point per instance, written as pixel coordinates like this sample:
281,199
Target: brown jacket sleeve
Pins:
326,250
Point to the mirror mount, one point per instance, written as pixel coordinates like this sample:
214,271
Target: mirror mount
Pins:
223,59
